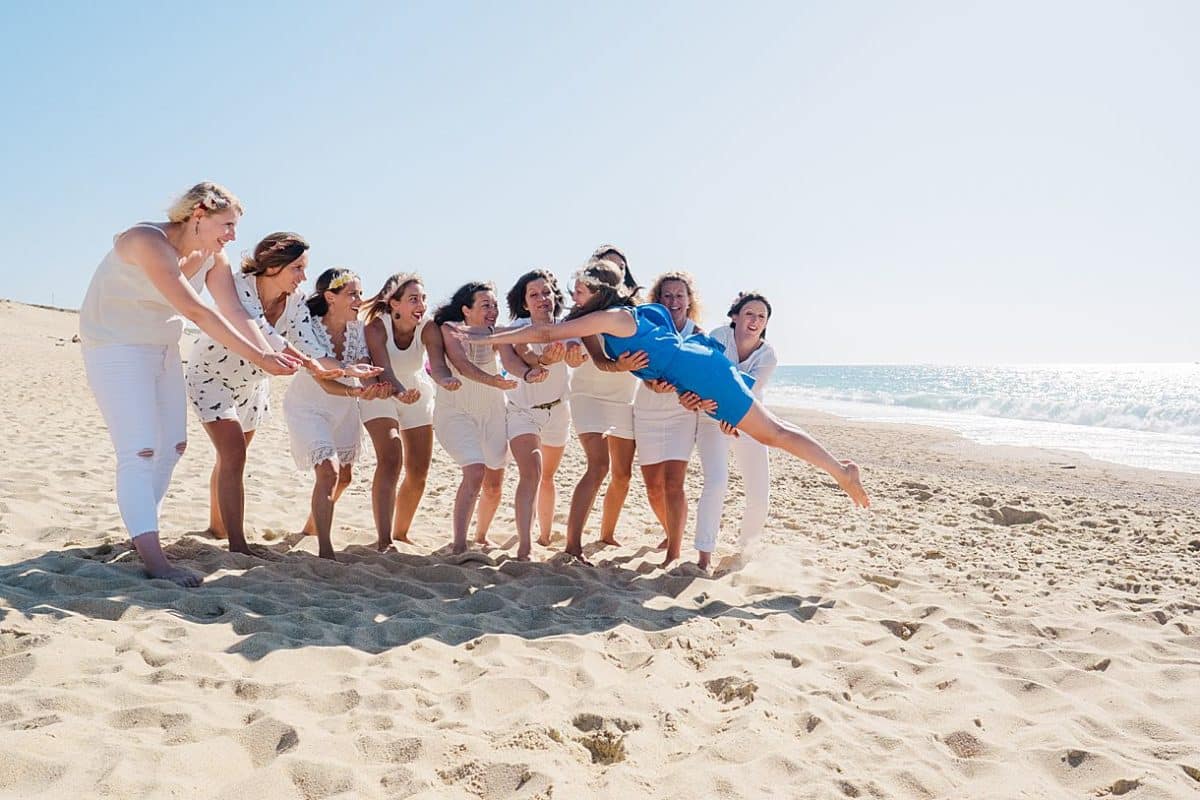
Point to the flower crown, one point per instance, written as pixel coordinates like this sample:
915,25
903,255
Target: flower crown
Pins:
340,281
213,202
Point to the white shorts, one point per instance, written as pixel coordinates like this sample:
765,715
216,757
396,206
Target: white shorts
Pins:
407,415
591,414
470,438
552,425
320,432
666,435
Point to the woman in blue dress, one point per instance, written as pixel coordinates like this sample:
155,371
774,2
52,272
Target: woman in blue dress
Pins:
694,364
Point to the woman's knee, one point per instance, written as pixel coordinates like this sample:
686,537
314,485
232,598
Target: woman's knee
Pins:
326,473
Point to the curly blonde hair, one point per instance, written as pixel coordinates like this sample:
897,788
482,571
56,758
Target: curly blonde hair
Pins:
687,280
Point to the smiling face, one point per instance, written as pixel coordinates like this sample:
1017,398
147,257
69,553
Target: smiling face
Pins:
539,300
291,276
346,301
483,311
214,230
751,320
410,305
675,296
581,293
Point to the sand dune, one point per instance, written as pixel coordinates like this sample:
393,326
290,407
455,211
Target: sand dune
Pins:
1003,623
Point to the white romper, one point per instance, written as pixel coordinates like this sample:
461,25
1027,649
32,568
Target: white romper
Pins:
663,429
540,408
470,422
408,365
322,426
223,385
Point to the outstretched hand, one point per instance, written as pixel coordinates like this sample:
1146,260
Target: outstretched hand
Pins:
552,354
408,396
728,429
694,402
278,364
362,371
504,383
631,361
536,375
576,354
660,386
449,383
318,370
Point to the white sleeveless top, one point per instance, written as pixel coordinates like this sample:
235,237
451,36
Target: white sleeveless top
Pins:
759,365
528,395
589,380
408,364
474,397
123,307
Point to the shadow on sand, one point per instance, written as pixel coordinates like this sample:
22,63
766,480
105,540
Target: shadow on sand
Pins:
375,601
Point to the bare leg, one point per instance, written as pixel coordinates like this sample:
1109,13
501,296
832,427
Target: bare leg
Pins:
385,436
418,454
774,432
464,504
216,528
157,565
231,443
620,457
584,496
655,478
547,495
325,483
489,501
528,456
676,510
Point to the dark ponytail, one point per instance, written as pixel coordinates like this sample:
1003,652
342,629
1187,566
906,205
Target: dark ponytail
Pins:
333,280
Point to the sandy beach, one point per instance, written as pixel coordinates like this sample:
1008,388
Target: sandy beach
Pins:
1003,623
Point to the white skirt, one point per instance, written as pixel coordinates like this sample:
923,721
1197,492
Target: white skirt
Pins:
663,434
591,414
321,426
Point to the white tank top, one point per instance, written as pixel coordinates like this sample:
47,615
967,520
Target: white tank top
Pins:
474,397
408,364
123,307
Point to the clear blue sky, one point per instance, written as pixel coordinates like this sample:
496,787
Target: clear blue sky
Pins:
907,181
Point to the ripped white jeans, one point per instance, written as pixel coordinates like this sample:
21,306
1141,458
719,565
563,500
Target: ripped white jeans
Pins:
140,391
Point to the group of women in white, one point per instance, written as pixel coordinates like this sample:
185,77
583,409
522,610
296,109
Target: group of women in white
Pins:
489,395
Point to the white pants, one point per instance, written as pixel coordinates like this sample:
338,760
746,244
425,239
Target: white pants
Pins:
139,389
714,447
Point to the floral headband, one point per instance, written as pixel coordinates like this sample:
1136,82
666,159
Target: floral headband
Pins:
340,281
213,202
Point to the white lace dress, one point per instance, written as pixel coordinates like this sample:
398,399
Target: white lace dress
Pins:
323,426
222,384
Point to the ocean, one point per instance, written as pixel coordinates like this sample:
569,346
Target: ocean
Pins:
1142,415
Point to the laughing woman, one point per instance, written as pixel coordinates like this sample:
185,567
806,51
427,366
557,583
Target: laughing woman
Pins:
665,430
400,422
322,415
696,364
537,420
130,323
745,342
469,422
230,394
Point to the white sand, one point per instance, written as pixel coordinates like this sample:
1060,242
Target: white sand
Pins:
918,650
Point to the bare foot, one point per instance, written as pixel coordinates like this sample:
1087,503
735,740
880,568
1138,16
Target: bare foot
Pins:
610,541
240,545
544,541
662,545
578,556
178,576
328,554
704,560
482,541
669,559
458,550
384,547
402,539
216,533
851,484
310,528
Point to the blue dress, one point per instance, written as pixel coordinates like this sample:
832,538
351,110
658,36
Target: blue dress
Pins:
693,364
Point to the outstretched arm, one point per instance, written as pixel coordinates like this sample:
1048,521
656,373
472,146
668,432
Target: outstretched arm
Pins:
613,321
164,270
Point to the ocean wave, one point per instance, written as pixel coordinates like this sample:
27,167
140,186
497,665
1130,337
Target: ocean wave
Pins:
1180,417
